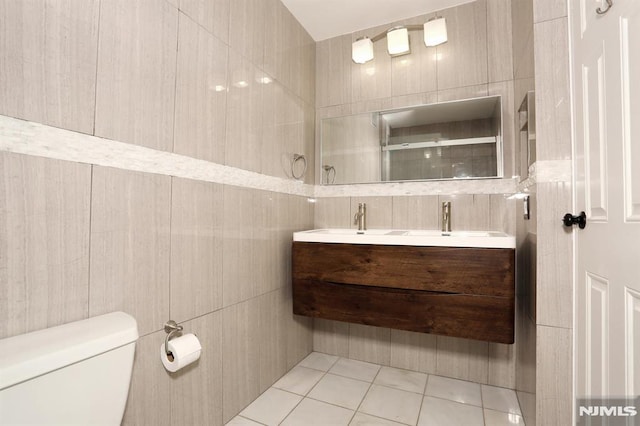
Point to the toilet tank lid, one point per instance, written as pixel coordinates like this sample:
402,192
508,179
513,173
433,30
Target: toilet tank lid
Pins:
30,355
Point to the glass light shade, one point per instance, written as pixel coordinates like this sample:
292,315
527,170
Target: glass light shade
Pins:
362,50
398,41
435,32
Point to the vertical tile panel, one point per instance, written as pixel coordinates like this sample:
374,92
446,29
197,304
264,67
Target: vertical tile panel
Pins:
502,365
413,351
462,61
333,213
247,28
136,72
554,378
371,344
553,110
499,36
331,337
373,79
546,10
264,250
196,390
48,54
284,127
503,213
466,92
240,356
414,99
333,75
149,399
211,14
416,72
201,93
44,242
196,248
463,359
129,269
273,336
416,212
237,246
244,114
554,290
299,334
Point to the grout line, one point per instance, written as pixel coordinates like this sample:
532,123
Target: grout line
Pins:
175,82
247,418
171,181
95,91
89,242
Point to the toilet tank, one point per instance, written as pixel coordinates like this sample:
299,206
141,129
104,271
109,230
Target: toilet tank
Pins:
74,374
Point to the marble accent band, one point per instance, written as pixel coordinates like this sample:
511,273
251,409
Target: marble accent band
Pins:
462,186
25,137
548,171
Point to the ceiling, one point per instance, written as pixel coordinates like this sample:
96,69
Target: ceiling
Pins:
325,19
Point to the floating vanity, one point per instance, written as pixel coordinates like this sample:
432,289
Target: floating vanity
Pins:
460,285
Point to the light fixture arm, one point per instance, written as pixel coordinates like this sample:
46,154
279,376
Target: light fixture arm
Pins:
384,33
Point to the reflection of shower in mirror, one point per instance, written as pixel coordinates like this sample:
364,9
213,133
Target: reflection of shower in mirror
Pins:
330,177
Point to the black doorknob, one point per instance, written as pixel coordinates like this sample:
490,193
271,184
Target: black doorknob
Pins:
580,220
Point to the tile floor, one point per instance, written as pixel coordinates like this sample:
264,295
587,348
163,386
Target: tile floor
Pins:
326,390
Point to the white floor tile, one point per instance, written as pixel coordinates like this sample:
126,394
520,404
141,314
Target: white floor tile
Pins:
341,391
500,399
410,381
442,412
361,419
393,404
315,413
318,361
454,389
271,407
241,421
299,380
355,369
496,418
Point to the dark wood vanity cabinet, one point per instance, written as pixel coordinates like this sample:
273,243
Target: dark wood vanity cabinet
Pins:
450,291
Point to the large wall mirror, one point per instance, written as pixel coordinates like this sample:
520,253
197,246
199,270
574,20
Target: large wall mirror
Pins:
447,140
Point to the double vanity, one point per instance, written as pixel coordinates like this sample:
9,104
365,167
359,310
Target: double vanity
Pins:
459,284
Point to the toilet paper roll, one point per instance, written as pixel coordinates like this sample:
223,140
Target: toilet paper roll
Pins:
185,350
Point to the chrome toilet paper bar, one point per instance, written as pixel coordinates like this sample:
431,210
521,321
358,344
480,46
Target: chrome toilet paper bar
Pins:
170,327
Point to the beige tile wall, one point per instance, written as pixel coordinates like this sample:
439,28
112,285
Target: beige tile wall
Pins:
76,244
79,240
166,75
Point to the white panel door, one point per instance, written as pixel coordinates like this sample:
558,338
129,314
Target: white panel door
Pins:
605,56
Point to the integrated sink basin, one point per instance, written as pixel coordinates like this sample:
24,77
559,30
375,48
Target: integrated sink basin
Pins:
398,237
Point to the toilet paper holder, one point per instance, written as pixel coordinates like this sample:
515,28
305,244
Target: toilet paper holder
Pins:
170,327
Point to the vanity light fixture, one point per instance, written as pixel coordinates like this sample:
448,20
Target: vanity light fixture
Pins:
398,41
435,33
362,50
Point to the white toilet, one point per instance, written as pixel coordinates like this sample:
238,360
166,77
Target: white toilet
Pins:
76,373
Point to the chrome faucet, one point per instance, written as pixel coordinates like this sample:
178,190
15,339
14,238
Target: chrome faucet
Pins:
446,217
360,218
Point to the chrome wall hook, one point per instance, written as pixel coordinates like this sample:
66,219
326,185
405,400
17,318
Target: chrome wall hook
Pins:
601,11
171,328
